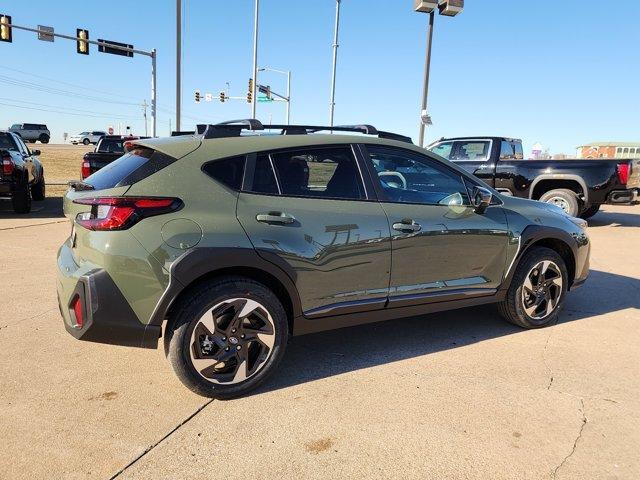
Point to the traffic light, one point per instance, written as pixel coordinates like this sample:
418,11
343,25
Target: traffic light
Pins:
250,91
82,46
5,28
222,97
198,96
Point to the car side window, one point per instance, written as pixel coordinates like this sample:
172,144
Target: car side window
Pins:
312,172
22,148
228,171
470,150
507,151
443,149
408,177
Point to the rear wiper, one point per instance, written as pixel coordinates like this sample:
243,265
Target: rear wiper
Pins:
79,186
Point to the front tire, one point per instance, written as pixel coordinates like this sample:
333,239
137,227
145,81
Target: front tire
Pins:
38,190
537,289
564,198
227,337
86,141
21,198
590,212
43,138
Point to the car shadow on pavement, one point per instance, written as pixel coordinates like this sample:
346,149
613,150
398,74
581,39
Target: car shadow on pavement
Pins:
614,219
322,355
50,207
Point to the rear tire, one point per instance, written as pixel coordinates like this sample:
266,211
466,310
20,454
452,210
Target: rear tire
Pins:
21,198
226,337
86,141
38,190
43,138
538,287
590,212
563,198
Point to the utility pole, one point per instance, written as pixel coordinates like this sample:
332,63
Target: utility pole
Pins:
254,71
288,97
332,103
424,116
154,101
178,60
144,106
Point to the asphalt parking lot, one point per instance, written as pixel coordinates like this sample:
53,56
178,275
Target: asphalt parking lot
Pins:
455,395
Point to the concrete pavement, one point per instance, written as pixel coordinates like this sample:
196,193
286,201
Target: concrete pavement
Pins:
455,395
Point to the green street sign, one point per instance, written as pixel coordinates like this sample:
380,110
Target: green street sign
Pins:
264,98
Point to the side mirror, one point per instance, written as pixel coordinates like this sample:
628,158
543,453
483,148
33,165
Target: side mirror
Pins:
481,199
35,152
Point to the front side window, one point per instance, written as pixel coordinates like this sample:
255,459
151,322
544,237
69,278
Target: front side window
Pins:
330,173
408,177
470,150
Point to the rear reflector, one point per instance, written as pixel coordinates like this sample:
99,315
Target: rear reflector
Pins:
76,306
624,169
120,213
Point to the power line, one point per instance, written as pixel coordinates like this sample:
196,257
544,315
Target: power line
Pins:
4,67
119,115
63,112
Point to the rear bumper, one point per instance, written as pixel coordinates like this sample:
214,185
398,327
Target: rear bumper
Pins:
107,316
630,196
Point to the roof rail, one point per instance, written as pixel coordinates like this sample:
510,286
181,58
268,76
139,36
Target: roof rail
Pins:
233,128
180,133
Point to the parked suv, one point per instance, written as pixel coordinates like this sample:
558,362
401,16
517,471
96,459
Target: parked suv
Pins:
87,137
226,244
31,132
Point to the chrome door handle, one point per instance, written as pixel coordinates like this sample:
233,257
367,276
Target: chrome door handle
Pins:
407,225
280,218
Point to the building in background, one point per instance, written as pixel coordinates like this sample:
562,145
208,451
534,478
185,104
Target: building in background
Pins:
609,150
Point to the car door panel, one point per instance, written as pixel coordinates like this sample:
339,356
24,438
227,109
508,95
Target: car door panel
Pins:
440,245
338,250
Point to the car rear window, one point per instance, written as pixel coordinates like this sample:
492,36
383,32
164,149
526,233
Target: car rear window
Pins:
6,142
111,145
132,167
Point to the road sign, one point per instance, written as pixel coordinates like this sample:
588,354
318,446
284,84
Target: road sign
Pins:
110,130
45,33
208,97
264,98
114,51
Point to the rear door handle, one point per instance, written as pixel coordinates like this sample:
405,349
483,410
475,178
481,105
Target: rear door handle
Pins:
280,218
407,225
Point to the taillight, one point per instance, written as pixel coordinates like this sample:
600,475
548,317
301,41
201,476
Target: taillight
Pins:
7,165
624,170
76,306
120,213
86,168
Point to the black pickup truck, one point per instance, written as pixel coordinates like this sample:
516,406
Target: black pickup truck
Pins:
22,175
578,186
108,149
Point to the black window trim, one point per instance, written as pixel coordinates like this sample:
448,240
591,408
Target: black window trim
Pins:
250,166
244,173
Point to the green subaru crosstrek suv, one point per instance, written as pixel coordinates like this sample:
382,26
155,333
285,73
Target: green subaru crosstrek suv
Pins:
227,241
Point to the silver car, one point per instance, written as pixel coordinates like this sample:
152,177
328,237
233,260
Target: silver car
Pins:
87,137
31,132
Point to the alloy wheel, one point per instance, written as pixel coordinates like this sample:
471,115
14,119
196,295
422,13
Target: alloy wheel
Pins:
232,341
560,202
542,290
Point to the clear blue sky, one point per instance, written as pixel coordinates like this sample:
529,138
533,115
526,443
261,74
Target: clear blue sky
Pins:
503,67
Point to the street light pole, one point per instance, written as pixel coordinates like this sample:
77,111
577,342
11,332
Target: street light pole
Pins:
154,102
425,88
288,97
254,73
178,60
332,103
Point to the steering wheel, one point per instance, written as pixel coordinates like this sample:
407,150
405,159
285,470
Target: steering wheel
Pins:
403,180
